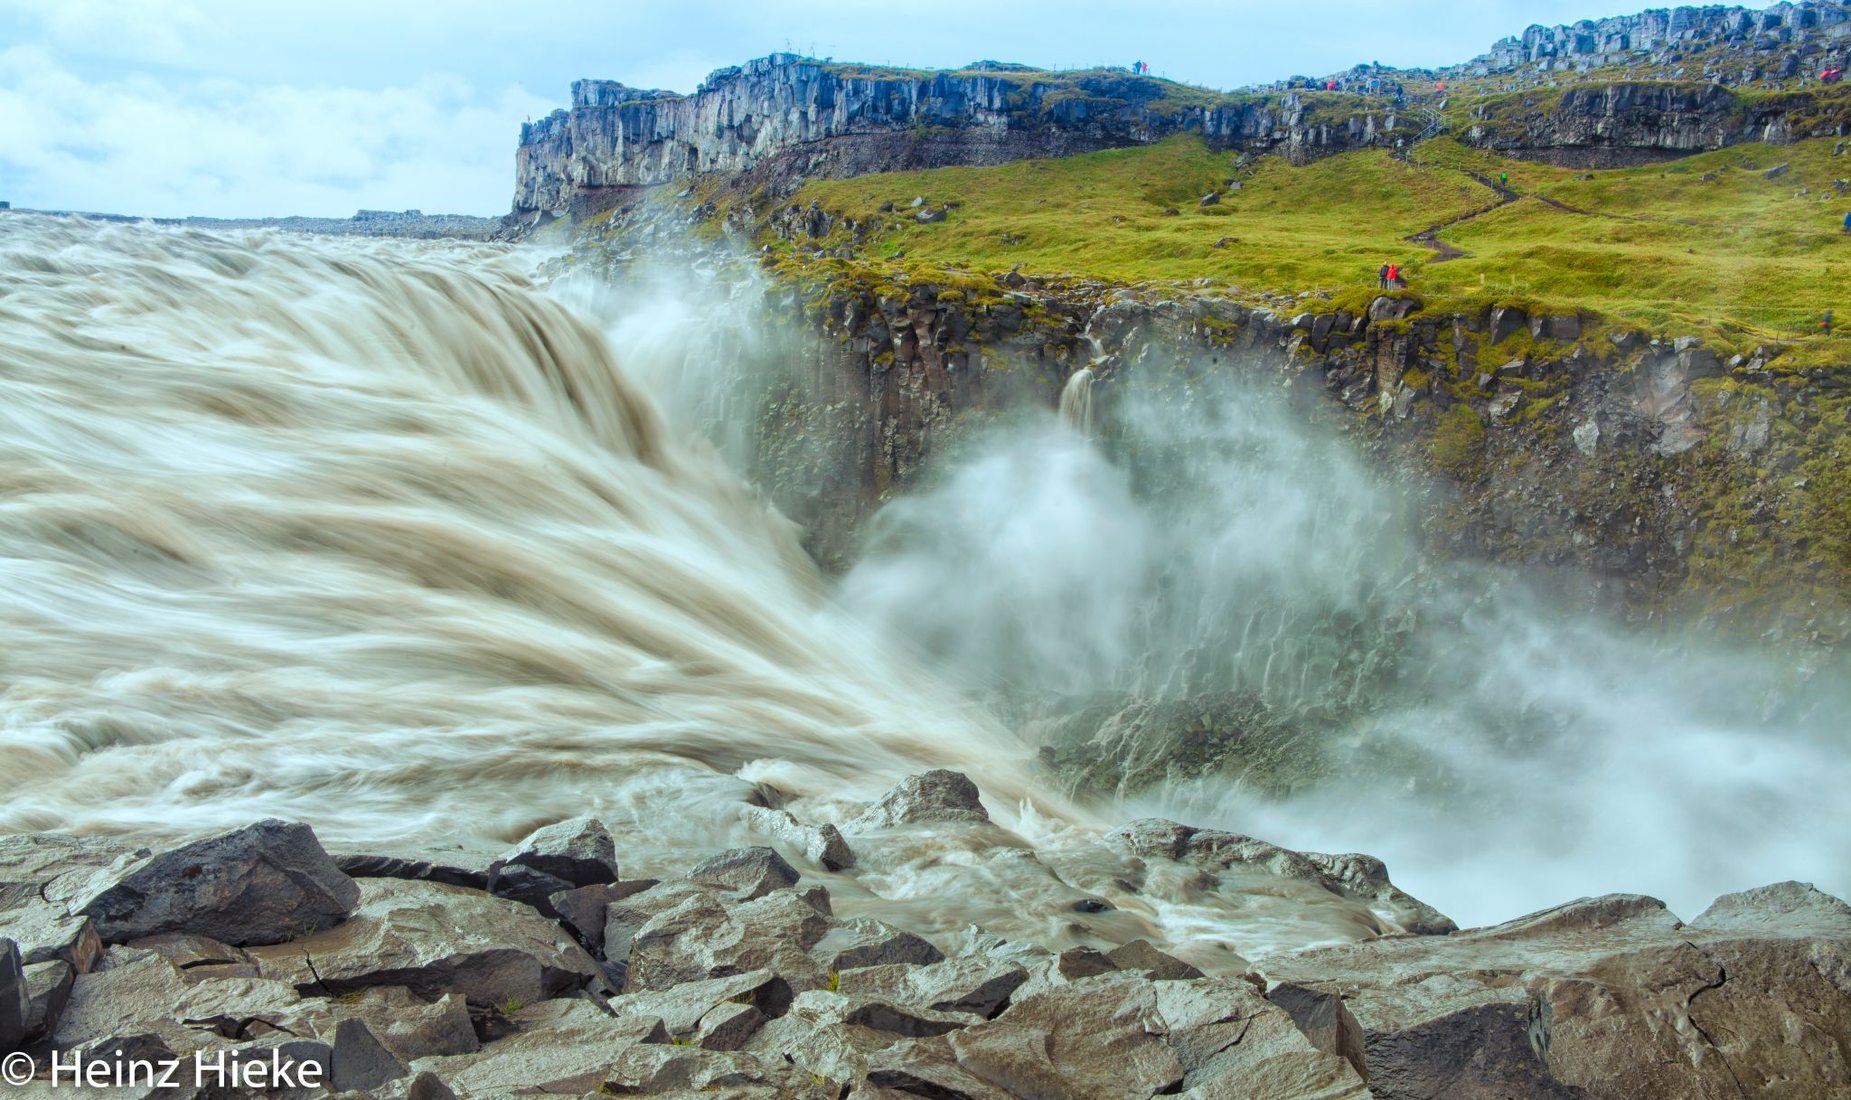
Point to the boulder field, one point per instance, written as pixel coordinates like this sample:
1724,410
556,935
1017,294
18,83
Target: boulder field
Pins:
547,972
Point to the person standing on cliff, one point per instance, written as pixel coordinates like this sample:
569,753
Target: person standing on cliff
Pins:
1826,323
1381,276
1394,275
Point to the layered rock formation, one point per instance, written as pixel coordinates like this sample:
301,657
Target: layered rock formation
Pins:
795,116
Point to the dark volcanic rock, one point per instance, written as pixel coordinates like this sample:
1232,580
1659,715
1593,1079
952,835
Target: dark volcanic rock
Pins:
370,866
15,999
262,884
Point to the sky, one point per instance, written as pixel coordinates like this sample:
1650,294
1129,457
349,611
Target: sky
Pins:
245,108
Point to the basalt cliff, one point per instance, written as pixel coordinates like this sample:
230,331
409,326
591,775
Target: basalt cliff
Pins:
1675,82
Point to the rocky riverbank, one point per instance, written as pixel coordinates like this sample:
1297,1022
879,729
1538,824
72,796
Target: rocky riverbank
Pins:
260,964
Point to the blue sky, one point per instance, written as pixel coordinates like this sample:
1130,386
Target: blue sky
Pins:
242,107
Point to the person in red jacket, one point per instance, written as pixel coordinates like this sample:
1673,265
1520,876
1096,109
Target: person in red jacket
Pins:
1394,275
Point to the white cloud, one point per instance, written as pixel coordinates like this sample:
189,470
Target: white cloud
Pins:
236,107
232,148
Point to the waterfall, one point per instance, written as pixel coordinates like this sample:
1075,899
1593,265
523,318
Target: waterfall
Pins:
1076,402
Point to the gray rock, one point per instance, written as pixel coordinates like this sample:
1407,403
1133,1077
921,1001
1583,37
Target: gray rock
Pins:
435,939
728,1027
823,845
745,873
578,850
704,937
1350,875
868,942
929,1068
372,866
199,956
566,1046
624,917
1608,996
428,1086
48,988
1139,955
42,877
910,1022
681,1007
975,984
1507,321
583,910
406,1024
15,997
1783,908
1321,1017
1213,198
262,884
1084,962
527,885
139,993
360,1061
934,796
1094,1041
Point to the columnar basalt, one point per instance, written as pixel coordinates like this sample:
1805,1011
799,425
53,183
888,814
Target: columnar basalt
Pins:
821,119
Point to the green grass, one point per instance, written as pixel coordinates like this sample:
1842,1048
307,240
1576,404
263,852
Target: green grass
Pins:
1734,256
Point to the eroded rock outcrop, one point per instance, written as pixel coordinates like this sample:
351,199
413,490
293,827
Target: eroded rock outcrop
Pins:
786,116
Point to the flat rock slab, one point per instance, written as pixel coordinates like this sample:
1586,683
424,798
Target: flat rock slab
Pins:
569,1045
435,939
1609,997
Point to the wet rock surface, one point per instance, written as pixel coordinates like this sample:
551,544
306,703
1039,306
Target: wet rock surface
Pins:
740,980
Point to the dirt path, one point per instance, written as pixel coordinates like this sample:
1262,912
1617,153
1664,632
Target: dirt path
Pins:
1430,236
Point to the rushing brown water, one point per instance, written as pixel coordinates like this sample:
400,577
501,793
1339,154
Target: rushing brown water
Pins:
377,537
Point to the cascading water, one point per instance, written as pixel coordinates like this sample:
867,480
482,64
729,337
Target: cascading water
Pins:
1076,402
1215,614
377,537
380,538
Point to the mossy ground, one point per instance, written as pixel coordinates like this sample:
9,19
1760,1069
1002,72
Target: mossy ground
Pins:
1706,244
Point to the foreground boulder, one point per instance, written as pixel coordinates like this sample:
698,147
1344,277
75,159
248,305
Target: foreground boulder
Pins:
262,884
1606,997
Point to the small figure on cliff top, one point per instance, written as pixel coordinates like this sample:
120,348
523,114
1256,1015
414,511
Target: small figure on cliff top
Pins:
1826,322
1381,276
1504,180
1848,223
1394,275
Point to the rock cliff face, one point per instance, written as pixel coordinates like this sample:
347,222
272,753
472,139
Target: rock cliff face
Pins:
1648,465
809,118
1651,35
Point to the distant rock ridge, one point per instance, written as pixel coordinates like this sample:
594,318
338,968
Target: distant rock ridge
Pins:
783,118
1633,37
838,121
